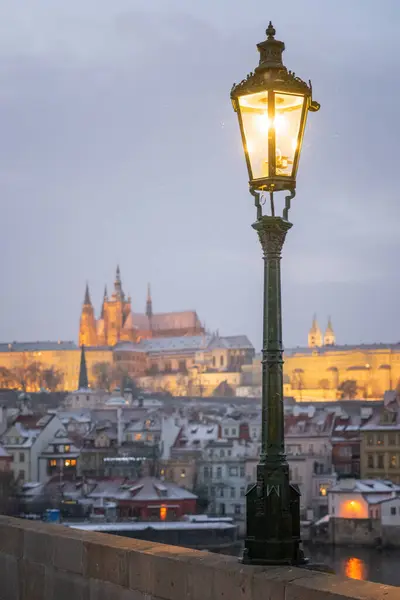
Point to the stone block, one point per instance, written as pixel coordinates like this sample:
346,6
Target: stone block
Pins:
140,571
68,554
103,590
330,587
106,563
38,547
233,581
65,586
9,578
32,580
11,540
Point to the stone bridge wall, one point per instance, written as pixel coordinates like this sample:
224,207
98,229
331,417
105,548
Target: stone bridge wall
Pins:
51,562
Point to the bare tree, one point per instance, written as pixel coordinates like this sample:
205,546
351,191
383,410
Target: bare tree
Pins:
7,379
52,378
27,376
348,389
103,375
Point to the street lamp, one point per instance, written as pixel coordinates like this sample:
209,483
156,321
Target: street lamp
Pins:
272,106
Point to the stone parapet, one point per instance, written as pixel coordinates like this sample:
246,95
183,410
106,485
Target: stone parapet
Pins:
51,562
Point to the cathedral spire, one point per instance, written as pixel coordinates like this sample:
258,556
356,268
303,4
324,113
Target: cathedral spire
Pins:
118,283
149,305
315,334
87,301
105,299
329,336
83,376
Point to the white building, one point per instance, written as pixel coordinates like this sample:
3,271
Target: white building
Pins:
25,440
360,498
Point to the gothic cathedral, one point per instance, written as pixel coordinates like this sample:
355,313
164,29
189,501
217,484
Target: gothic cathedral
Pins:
117,322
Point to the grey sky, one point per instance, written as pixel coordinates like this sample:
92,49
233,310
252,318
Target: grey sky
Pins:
118,143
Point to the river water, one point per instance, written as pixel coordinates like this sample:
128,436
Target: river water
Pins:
358,563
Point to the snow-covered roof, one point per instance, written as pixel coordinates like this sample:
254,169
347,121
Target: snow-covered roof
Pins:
365,486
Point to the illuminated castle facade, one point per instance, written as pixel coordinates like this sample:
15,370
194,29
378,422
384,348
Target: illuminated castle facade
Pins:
118,323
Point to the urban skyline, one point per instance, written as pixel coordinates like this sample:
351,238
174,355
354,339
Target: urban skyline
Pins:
78,146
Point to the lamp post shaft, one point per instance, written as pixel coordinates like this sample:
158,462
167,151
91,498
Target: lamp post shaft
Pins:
272,232
273,514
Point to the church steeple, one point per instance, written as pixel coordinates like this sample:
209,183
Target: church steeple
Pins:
83,376
149,306
87,301
314,335
87,325
329,337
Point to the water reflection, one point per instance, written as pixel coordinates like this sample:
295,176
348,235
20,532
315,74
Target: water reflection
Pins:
355,568
357,563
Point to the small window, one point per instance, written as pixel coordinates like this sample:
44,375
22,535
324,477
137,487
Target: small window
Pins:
238,509
219,472
370,461
21,457
221,360
233,492
370,439
221,493
242,492
226,431
380,440
381,461
233,471
241,471
393,510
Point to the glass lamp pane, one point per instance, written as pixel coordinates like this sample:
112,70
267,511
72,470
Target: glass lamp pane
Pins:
256,126
288,111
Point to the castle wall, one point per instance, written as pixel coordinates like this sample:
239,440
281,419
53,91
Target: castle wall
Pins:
323,368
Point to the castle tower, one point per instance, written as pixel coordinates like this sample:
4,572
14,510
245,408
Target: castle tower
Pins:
105,300
329,336
149,307
115,309
314,335
83,376
87,326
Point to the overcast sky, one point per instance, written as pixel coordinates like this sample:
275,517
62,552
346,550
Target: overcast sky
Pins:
118,144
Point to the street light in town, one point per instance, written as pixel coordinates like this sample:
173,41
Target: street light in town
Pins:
272,106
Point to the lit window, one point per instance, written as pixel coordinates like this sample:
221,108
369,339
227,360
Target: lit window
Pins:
67,463
67,448
393,461
380,439
53,462
163,513
138,436
183,473
323,490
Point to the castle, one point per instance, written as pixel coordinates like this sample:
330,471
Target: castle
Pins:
325,370
117,323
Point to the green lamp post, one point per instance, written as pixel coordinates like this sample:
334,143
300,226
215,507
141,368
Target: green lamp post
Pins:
272,106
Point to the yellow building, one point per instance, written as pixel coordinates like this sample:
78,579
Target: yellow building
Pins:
380,444
62,357
323,370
